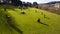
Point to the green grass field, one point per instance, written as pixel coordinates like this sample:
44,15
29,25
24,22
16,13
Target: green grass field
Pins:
28,22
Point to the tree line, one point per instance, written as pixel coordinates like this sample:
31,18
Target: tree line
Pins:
19,3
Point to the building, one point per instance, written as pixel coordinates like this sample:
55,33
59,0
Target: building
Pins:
51,4
57,5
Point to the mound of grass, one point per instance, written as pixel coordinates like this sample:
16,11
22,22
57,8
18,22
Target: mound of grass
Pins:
29,25
28,22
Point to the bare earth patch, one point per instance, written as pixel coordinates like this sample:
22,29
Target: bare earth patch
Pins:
57,12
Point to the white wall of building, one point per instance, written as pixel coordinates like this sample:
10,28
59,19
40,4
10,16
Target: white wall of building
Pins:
57,5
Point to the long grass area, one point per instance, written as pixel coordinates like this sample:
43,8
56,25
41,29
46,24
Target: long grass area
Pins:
28,22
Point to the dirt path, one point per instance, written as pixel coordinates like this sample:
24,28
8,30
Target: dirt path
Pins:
57,12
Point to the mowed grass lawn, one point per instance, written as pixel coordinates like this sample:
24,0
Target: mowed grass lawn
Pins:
28,24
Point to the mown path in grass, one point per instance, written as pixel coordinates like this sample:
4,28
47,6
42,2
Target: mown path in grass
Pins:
29,25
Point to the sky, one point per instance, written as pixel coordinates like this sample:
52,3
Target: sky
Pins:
39,1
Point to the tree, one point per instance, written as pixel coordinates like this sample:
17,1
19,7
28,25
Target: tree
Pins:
35,4
29,4
16,2
25,4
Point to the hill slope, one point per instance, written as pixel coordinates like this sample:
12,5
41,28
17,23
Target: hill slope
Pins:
28,22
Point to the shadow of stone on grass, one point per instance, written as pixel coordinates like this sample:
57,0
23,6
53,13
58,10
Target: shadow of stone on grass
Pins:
39,21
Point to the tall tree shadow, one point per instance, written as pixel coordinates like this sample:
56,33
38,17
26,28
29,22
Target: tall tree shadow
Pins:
10,23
